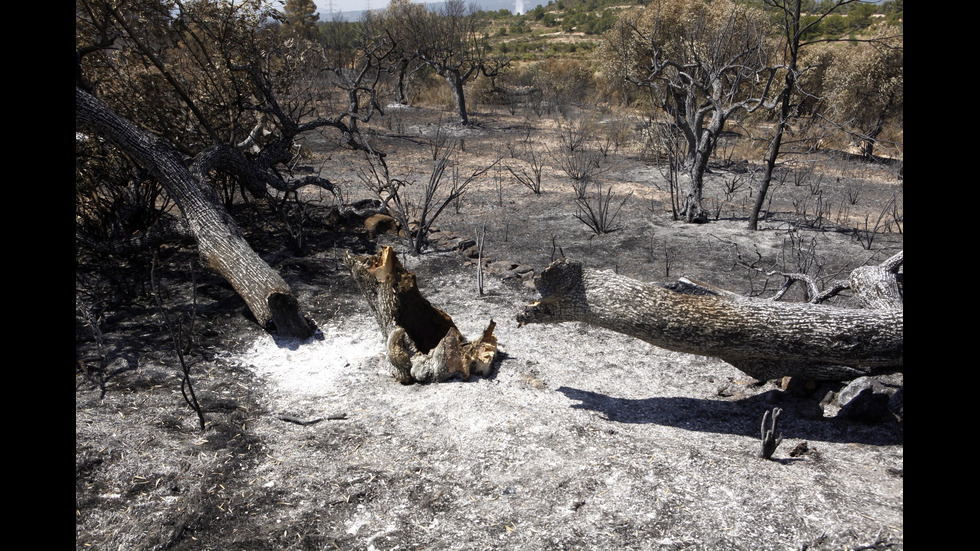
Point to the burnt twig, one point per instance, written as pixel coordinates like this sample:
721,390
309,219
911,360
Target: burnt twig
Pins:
186,387
307,422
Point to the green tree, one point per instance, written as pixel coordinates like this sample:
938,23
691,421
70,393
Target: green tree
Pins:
893,11
865,85
859,17
834,26
301,18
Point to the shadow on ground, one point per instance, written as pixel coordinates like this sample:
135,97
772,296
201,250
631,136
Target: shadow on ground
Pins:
740,417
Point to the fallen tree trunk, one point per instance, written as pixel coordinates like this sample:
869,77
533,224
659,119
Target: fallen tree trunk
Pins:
220,243
765,339
422,343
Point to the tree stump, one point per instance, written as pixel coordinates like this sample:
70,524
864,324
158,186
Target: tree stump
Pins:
423,345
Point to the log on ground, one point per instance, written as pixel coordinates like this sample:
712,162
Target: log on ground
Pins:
763,338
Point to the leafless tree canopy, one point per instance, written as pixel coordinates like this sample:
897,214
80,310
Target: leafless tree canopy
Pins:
702,62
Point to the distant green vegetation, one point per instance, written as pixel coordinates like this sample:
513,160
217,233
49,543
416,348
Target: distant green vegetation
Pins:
574,28
594,17
545,30
854,19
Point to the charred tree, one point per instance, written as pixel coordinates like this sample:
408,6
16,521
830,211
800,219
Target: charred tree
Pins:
703,62
207,96
423,345
763,338
795,24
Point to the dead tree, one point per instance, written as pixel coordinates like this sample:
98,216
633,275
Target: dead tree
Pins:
423,344
207,93
703,63
795,24
763,338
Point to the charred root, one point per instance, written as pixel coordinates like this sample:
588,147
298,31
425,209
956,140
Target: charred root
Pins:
769,439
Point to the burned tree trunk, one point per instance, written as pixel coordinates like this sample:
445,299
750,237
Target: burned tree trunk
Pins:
423,344
763,338
220,244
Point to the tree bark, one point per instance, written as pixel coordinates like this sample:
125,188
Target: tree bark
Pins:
765,339
880,287
402,69
456,82
220,244
693,210
423,344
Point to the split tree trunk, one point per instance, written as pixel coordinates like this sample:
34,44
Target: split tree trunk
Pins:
423,344
765,339
220,243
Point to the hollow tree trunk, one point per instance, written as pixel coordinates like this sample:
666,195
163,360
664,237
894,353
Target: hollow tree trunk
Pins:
422,343
765,339
220,243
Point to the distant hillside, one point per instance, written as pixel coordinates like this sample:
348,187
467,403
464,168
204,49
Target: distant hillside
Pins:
512,5
485,5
